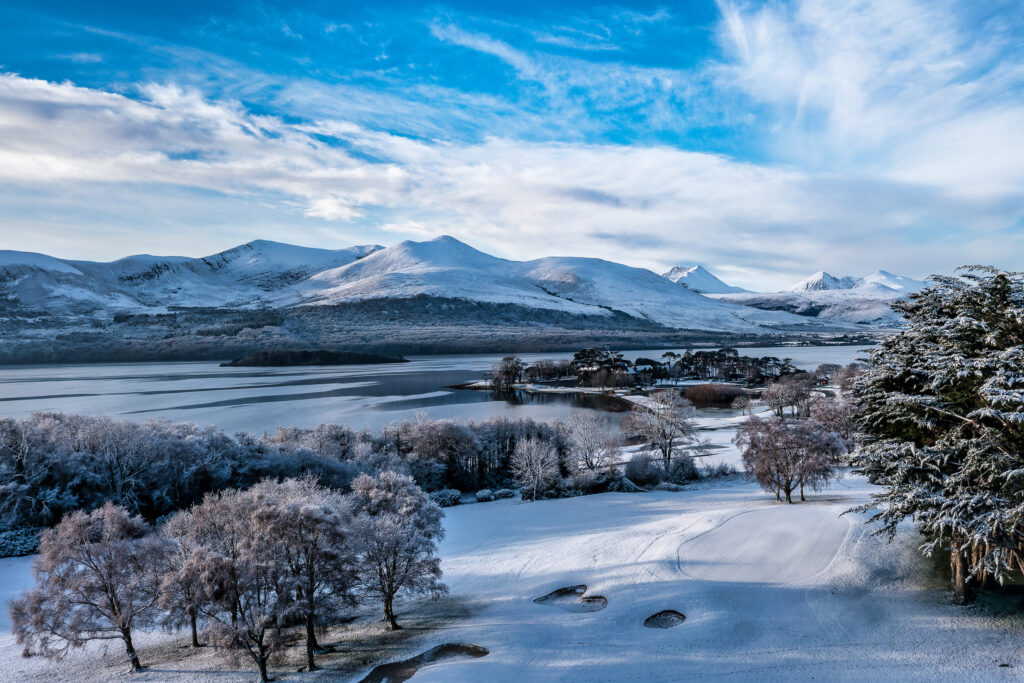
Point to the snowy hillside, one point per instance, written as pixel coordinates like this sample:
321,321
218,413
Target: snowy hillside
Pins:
264,274
847,299
700,280
257,273
446,267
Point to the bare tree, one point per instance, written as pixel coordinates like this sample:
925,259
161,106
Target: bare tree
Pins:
310,526
785,455
398,528
181,590
97,580
847,375
534,466
243,577
741,403
664,423
837,415
592,441
776,396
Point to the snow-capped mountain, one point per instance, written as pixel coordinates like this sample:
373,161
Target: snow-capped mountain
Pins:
700,280
865,300
265,274
258,273
822,281
446,267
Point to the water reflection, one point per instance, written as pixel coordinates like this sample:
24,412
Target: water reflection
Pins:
365,396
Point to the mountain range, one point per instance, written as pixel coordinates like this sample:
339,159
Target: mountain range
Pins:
858,300
264,274
264,293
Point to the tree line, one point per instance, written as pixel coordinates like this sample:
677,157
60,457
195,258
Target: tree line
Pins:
604,367
242,567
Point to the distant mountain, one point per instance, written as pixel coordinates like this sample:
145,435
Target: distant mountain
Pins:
822,281
863,301
446,267
700,280
264,275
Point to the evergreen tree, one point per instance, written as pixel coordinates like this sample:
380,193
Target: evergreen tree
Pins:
942,410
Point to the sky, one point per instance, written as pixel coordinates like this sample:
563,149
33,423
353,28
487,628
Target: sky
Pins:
765,141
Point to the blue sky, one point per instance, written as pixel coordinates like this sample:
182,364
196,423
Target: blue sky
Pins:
765,141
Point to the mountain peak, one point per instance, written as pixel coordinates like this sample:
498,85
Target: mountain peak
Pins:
699,279
822,281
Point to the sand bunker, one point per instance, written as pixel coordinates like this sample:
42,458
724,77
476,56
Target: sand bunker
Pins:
668,618
396,672
571,599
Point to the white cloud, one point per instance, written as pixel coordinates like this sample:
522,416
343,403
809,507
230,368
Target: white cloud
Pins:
895,141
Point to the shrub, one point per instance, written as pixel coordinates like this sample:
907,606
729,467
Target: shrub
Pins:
623,485
19,542
669,486
504,493
446,498
682,470
642,470
722,469
714,394
484,496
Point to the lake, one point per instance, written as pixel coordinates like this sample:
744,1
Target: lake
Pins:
260,399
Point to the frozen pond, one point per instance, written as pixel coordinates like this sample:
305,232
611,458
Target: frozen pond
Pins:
260,399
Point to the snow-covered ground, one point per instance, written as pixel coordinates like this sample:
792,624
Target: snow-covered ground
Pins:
770,591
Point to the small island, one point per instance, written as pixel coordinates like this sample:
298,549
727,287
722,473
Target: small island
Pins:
308,357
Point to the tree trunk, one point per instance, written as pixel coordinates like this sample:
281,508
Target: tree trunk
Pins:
311,643
133,656
789,494
193,622
802,499
963,590
261,662
389,614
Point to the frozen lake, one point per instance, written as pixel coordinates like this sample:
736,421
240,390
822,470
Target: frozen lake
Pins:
261,399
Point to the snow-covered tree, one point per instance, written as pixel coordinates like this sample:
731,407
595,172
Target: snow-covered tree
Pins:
837,415
665,423
784,455
243,575
398,528
942,407
534,466
310,528
592,441
181,591
97,576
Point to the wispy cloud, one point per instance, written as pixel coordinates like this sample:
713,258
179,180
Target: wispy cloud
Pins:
806,135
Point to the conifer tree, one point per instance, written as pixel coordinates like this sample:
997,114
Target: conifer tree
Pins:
942,410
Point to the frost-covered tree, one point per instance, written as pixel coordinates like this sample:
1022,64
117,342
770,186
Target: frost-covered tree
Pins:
181,591
942,407
665,423
310,528
784,455
397,527
97,576
837,415
592,441
534,467
243,575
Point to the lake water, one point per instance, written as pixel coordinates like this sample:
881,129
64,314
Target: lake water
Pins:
260,399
